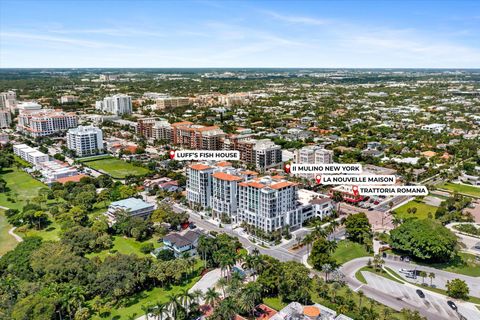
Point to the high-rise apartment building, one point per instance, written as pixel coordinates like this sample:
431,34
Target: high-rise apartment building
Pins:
39,123
85,140
268,203
8,100
313,155
5,118
199,185
118,104
191,136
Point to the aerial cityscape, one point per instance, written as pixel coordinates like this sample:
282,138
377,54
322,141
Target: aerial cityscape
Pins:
283,160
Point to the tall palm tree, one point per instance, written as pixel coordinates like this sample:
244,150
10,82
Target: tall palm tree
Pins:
173,304
360,297
211,297
222,283
185,298
197,295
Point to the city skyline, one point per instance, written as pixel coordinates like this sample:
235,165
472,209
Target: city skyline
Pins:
203,34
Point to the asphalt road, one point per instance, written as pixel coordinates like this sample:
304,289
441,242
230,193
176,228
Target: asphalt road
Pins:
397,296
279,253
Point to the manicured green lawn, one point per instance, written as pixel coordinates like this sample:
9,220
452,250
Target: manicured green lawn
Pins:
116,168
146,298
461,188
464,264
50,233
7,242
422,210
125,246
348,250
22,187
275,303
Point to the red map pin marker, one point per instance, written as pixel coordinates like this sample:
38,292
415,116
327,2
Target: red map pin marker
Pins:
172,154
287,168
318,178
355,190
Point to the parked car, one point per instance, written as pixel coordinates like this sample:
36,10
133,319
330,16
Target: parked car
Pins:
452,305
192,225
420,293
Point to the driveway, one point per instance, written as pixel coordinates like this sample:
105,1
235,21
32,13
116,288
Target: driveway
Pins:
207,281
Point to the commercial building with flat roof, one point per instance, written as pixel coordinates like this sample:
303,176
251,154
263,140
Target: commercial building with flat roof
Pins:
132,206
85,140
29,154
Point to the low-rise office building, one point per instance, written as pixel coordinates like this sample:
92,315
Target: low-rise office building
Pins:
30,154
132,206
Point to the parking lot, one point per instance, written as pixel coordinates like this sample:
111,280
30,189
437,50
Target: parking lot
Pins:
432,303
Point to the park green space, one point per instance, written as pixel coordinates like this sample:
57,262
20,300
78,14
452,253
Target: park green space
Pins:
348,250
116,168
461,188
22,188
150,297
124,245
50,233
422,210
7,242
464,263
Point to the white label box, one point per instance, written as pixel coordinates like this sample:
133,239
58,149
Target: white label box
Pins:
358,179
204,155
393,190
325,168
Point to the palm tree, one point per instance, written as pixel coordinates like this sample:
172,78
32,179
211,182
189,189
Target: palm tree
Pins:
222,283
360,297
173,304
197,295
327,268
250,296
331,246
185,298
146,310
431,275
211,297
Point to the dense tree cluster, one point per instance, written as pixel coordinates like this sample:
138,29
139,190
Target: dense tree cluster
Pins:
424,239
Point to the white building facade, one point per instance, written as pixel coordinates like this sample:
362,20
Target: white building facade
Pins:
30,154
118,104
5,118
40,123
85,140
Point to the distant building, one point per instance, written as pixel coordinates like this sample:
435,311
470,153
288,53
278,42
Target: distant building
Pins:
5,118
154,129
132,206
434,127
171,102
39,123
313,155
347,193
28,106
267,154
118,104
68,99
108,77
85,140
191,136
30,154
8,100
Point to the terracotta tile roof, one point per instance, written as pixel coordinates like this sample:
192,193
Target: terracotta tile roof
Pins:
252,184
199,167
72,178
226,176
283,184
224,164
277,177
183,123
250,173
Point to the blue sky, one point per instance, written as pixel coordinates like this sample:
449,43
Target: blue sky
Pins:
383,34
